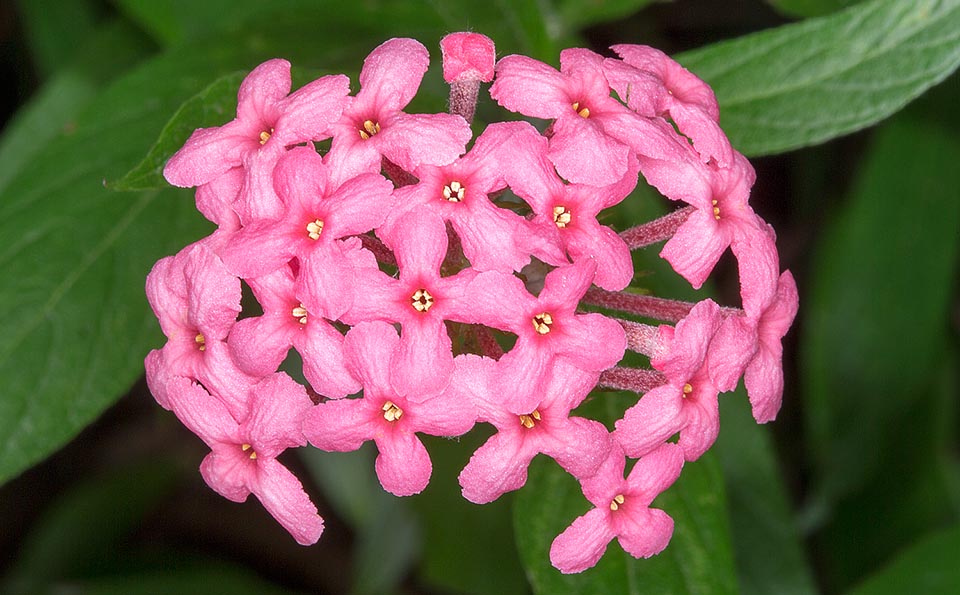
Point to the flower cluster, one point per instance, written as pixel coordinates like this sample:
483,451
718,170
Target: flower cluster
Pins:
427,287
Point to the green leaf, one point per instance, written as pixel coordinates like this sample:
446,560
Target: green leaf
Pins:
214,106
466,548
810,8
388,534
51,113
698,559
56,28
871,360
927,566
761,518
805,83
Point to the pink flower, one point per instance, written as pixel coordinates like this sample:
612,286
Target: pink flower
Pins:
578,100
244,454
622,511
764,373
420,300
375,124
389,419
722,218
268,120
688,402
566,214
197,302
686,99
458,192
259,344
547,328
316,214
500,465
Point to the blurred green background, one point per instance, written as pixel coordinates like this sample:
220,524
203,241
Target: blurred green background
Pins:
849,114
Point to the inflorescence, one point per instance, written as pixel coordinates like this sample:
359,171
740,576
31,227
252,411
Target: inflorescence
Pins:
427,287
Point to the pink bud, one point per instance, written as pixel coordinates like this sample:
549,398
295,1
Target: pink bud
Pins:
467,56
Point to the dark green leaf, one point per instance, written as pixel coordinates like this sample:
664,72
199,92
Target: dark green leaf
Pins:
810,8
927,566
871,358
761,518
466,548
51,113
214,106
698,559
388,534
56,28
808,82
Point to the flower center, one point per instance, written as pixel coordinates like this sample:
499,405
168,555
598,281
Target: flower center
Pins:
201,342
369,129
454,191
300,313
421,300
716,209
617,502
583,112
562,216
248,448
542,322
314,229
529,420
687,390
265,136
391,412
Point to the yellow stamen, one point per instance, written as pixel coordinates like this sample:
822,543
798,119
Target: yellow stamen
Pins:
716,209
265,136
562,216
421,300
369,129
617,502
201,342
391,412
315,228
542,322
687,390
529,420
582,112
454,191
300,313
246,447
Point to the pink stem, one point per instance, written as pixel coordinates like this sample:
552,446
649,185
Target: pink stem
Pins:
656,230
638,380
646,306
463,98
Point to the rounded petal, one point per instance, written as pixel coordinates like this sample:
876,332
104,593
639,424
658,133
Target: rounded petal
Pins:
647,534
393,71
276,413
403,465
340,426
321,348
649,423
497,467
281,493
530,87
583,543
